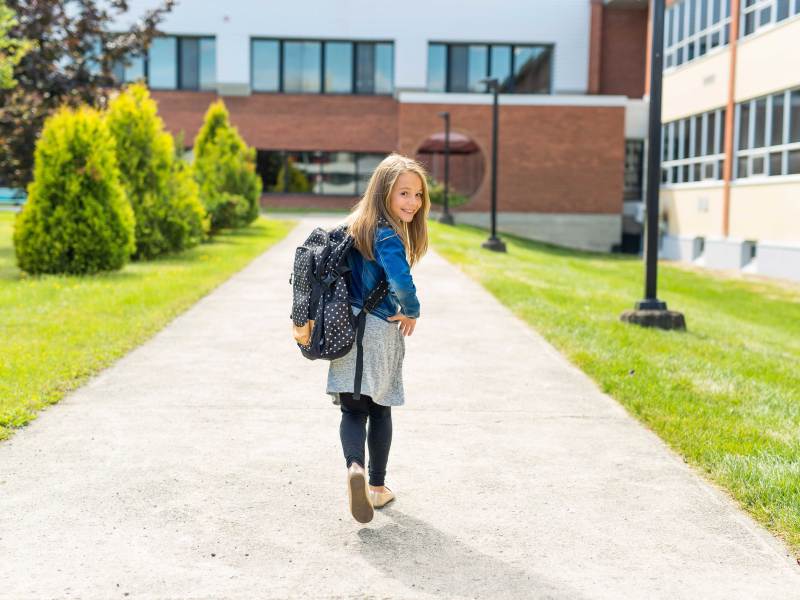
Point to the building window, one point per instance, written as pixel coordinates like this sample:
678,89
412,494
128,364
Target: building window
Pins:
521,69
760,14
162,63
768,136
634,153
316,172
317,66
302,67
184,63
692,149
692,28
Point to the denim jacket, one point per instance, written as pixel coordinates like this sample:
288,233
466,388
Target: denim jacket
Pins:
390,258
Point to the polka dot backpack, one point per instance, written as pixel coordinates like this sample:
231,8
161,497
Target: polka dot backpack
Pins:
323,323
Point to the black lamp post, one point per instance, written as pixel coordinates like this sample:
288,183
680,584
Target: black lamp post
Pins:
650,311
494,243
446,217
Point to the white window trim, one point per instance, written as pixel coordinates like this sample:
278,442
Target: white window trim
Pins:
794,13
708,158
764,152
671,48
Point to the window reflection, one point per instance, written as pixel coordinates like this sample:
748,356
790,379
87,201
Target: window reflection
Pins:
162,63
437,64
338,67
532,69
339,173
301,67
190,64
501,66
316,172
266,68
384,69
461,67
208,63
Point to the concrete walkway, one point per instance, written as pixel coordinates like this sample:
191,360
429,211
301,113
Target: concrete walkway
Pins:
207,464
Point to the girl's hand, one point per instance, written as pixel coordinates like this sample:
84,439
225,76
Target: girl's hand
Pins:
407,324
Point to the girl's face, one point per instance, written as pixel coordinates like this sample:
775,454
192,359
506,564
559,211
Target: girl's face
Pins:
406,197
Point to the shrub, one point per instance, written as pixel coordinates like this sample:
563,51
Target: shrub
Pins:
77,218
169,214
298,182
436,192
225,169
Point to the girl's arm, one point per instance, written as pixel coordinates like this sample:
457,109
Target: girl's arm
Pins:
391,255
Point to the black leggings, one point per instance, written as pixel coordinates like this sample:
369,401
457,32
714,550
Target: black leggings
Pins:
352,431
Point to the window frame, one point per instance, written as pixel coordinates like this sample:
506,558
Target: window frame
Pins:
322,42
316,153
674,138
673,47
179,66
757,9
749,155
551,47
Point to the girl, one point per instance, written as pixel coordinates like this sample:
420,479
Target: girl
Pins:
390,227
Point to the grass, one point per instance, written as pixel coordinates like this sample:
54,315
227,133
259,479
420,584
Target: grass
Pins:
725,394
56,331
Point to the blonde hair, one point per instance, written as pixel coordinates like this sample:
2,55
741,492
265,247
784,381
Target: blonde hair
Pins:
375,203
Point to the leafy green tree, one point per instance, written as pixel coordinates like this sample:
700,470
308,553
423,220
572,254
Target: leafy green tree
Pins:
77,218
11,50
230,187
436,193
298,182
169,214
73,62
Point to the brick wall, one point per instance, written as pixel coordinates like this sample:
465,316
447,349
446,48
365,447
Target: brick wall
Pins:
552,159
624,50
291,121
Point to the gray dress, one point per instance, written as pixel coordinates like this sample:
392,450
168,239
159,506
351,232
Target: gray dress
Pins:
382,378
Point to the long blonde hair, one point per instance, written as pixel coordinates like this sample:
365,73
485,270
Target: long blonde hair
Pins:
374,205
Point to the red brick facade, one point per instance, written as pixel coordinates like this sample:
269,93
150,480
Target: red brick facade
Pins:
553,159
624,51
617,50
292,121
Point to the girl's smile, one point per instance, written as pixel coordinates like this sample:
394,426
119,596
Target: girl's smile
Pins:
406,198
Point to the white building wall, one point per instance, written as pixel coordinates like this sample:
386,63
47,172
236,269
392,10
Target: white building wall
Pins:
411,25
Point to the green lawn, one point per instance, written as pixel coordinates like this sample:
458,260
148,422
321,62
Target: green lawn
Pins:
725,394
57,331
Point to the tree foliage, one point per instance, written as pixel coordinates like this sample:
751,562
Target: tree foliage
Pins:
230,187
297,182
77,218
169,215
72,63
11,50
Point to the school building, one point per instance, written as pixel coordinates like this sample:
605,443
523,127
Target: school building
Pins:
730,195
325,89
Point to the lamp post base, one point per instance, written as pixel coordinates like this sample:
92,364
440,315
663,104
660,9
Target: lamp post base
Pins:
446,218
654,313
494,244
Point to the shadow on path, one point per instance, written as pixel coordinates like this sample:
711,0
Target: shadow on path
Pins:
430,561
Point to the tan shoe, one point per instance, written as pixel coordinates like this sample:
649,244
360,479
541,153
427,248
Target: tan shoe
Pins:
357,493
379,499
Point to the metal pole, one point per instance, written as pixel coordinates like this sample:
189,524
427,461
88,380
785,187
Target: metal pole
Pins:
651,301
494,243
446,217
652,312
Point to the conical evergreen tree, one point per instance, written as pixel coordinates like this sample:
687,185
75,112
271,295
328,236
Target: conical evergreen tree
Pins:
230,187
77,218
169,217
